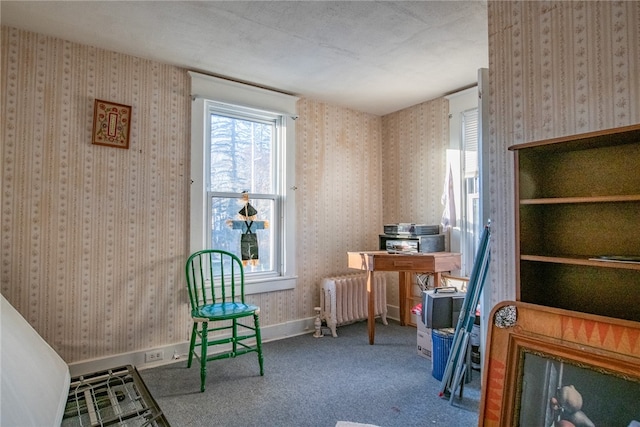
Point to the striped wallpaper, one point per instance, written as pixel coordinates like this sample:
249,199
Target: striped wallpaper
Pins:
555,68
94,238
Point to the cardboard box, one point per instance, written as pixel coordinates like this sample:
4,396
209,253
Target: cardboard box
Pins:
423,339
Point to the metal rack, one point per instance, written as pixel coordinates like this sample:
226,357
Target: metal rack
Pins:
115,397
460,355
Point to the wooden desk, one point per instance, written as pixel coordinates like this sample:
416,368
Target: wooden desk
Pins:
404,264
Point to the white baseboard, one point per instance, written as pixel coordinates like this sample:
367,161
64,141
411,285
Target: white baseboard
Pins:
178,352
393,312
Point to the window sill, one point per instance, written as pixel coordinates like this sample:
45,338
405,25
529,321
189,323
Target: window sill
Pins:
271,284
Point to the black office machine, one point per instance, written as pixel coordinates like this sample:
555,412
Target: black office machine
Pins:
411,238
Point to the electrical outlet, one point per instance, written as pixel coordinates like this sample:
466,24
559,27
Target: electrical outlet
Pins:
153,356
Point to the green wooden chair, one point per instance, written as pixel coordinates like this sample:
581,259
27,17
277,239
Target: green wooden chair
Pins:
215,280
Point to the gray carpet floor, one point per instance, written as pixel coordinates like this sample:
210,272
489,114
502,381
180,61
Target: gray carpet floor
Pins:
316,382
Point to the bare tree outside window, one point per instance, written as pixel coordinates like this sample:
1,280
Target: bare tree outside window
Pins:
243,158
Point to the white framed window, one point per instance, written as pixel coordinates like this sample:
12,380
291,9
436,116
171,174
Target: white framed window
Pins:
462,158
243,140
472,227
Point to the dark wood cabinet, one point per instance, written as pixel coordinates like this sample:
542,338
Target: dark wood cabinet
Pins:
578,222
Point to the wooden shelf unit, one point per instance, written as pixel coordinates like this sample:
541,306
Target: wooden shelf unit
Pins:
578,198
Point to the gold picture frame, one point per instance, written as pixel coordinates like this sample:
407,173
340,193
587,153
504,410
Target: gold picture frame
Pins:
546,365
111,124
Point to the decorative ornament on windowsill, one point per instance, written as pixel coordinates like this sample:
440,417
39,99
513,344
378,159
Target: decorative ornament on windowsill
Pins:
248,225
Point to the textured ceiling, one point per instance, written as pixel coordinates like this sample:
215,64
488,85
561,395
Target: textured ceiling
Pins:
372,56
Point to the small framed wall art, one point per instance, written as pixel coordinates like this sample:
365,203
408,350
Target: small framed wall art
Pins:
111,124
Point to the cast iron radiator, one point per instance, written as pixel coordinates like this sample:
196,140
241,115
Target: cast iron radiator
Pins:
343,299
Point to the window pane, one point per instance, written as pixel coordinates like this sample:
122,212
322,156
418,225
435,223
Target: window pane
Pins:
241,155
227,228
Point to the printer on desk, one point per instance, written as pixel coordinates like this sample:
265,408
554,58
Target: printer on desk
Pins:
411,238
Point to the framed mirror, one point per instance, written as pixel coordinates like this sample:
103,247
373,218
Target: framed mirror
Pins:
557,368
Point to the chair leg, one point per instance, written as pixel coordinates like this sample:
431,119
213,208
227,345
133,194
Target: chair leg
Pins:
203,356
194,332
234,336
256,323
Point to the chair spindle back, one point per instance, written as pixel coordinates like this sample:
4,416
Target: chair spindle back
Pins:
214,276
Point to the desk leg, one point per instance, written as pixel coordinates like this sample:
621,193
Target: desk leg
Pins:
402,295
371,321
437,278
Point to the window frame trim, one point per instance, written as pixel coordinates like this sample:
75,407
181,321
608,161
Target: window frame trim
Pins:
207,88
